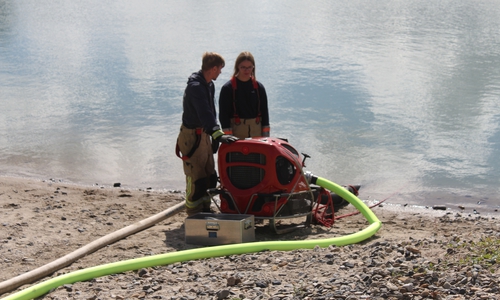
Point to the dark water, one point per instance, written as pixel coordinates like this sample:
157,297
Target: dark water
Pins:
402,97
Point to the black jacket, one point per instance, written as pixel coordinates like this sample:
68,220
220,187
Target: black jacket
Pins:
247,102
198,104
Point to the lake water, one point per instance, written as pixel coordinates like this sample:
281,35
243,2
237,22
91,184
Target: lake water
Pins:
402,97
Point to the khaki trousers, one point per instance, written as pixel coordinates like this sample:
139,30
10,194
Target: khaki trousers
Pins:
199,168
246,128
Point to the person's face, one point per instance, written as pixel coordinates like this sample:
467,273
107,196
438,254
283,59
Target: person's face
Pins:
216,72
245,68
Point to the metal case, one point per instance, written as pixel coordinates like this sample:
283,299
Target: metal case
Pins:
217,229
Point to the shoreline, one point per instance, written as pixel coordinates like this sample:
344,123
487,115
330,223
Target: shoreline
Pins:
394,206
45,220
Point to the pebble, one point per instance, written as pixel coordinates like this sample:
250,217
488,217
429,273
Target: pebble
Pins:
439,207
352,279
373,270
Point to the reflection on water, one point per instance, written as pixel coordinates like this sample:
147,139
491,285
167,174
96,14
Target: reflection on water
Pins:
397,96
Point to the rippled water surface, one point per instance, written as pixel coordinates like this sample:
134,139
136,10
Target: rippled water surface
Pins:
402,97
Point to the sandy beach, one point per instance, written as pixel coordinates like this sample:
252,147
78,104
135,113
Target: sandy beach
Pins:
41,221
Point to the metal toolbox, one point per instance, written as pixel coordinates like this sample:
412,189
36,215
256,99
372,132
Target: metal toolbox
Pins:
218,229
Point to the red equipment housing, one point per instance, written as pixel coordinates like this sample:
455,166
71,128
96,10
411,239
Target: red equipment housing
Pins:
263,176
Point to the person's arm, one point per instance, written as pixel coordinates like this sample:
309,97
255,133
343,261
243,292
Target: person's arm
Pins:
226,108
200,103
264,110
206,115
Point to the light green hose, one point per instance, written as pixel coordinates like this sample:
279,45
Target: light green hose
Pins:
215,251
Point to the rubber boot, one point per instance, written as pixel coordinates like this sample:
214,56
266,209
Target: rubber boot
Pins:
194,210
206,208
206,205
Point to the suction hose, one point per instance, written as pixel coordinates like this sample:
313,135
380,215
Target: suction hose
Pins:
68,259
215,251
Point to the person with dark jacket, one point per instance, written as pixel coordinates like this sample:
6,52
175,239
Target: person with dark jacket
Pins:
200,134
243,109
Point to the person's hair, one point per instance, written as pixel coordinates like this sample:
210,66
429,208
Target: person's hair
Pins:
210,60
245,55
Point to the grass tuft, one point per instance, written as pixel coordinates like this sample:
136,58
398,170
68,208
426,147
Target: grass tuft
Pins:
485,252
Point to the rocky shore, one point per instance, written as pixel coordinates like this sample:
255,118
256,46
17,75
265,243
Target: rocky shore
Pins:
417,254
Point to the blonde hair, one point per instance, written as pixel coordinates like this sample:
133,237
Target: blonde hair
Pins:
210,60
245,55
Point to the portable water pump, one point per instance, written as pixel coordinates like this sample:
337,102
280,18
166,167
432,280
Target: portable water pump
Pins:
264,177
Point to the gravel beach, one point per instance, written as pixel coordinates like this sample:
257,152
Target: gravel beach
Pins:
419,253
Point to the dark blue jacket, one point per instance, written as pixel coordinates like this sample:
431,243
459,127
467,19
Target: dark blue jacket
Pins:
198,104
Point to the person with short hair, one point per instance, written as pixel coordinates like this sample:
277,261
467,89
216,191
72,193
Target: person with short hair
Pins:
243,108
200,134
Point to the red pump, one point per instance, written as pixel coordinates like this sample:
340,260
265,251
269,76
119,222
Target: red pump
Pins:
264,177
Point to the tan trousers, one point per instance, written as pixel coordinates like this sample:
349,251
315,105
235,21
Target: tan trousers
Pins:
246,128
199,168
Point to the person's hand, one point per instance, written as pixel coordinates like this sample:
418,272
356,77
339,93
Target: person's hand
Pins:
228,139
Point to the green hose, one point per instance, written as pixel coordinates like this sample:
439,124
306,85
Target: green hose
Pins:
215,251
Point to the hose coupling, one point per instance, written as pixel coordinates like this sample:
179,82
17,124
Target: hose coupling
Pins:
310,178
